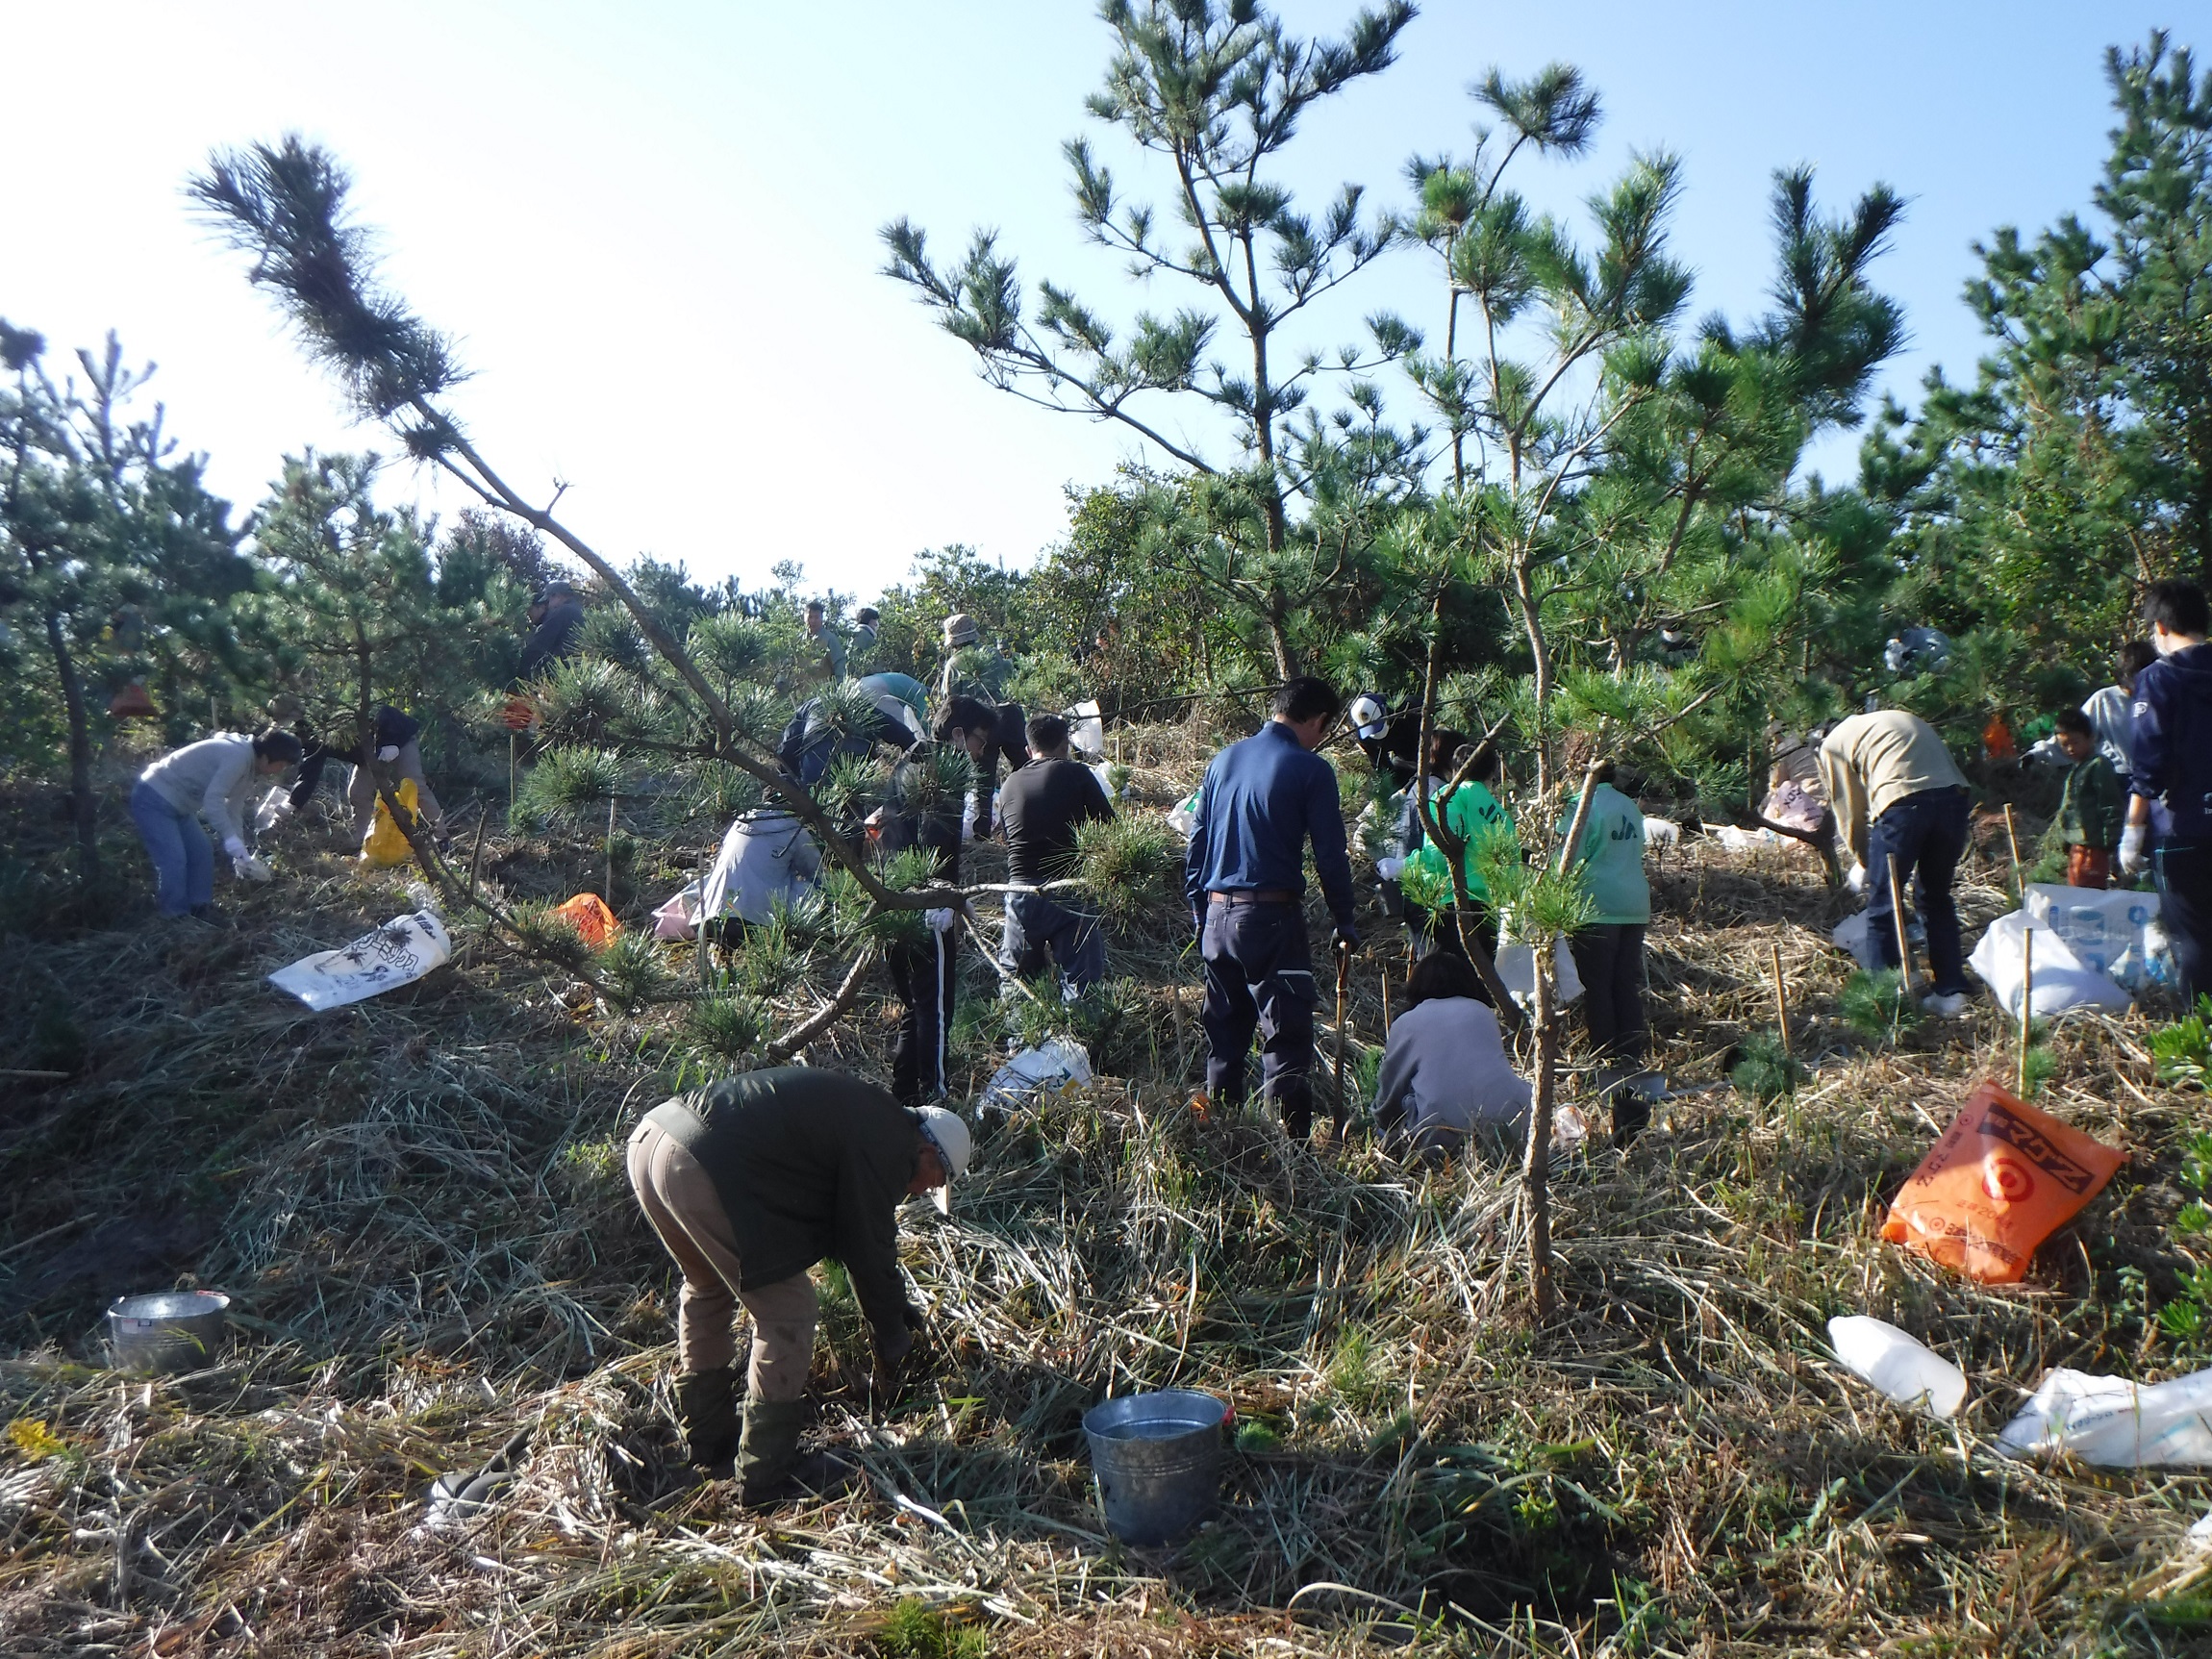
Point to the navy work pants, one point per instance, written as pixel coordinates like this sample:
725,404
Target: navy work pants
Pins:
1035,925
1924,834
1260,978
922,974
2183,870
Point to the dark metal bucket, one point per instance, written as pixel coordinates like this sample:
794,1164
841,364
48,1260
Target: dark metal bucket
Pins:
167,1331
1158,1459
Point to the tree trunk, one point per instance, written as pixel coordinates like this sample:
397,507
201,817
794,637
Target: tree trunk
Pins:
82,807
1536,1164
1279,641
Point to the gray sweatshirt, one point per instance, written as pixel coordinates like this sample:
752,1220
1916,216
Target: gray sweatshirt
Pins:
214,777
1445,1067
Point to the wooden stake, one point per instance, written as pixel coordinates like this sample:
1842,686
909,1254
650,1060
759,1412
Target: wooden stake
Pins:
705,978
1781,1002
1386,1001
609,894
1898,919
2012,835
2027,1004
511,777
476,858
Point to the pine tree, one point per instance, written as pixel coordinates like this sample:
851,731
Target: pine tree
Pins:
111,554
1215,92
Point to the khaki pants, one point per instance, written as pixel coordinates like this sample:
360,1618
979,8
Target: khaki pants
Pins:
361,794
680,1200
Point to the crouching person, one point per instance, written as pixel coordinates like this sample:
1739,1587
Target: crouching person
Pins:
1444,1077
749,1183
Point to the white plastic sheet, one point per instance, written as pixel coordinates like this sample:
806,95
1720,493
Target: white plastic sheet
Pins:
1855,935
1184,816
767,858
1045,1069
1743,840
2099,928
397,953
1897,1364
1517,967
1086,729
2063,982
2115,1423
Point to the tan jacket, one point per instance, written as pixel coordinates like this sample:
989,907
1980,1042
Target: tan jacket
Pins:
1872,762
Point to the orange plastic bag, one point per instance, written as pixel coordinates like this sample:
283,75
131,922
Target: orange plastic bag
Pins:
519,714
384,846
132,703
588,915
1997,740
2003,1179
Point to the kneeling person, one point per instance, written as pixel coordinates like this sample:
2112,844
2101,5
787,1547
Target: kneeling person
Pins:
750,1182
1041,807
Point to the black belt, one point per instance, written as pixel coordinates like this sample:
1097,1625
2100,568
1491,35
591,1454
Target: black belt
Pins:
1254,895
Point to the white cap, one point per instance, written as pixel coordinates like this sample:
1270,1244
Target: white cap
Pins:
1370,715
947,1132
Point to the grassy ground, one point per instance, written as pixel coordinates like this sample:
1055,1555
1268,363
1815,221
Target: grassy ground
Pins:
418,1204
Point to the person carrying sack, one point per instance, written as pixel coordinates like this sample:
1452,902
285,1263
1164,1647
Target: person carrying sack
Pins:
749,1182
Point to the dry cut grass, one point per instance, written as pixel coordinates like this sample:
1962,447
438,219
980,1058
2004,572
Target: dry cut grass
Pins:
419,1206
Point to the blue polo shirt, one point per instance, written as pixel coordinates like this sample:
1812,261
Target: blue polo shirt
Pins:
1262,801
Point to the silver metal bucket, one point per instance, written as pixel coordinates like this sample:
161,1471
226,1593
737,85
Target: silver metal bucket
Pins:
167,1331
1158,1459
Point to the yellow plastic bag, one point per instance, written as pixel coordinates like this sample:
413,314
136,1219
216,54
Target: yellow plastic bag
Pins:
384,846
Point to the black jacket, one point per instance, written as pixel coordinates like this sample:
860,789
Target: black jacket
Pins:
552,639
809,1163
392,729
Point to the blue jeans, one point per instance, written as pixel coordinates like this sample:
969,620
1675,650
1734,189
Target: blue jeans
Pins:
1925,834
2184,874
1260,978
1035,925
183,860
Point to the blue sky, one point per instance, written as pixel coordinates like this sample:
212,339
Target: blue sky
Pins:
653,229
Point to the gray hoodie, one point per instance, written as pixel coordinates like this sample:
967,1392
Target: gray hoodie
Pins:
214,777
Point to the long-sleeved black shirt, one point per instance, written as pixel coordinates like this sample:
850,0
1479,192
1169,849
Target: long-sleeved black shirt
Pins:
1040,807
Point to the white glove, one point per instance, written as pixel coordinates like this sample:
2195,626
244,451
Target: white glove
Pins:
939,921
389,753
1856,881
1389,868
253,869
233,847
2134,857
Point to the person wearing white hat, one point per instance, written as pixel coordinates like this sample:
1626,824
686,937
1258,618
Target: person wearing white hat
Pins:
749,1182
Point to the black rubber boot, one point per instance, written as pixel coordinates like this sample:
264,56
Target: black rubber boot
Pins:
769,1451
707,1402
771,1469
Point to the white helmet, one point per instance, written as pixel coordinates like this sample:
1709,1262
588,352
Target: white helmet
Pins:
1369,715
947,1132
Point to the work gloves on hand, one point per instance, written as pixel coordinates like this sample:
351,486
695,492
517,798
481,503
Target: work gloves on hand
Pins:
1856,881
2135,853
389,753
893,1348
252,869
1348,939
